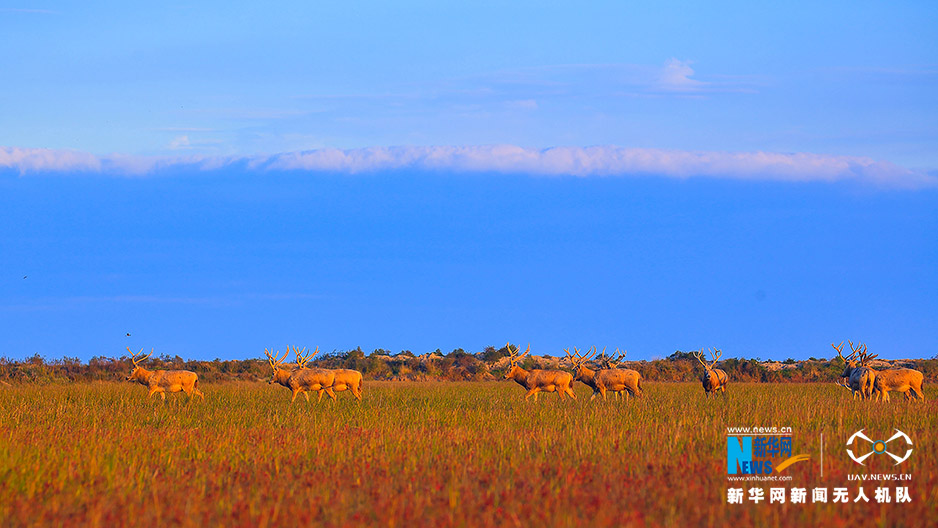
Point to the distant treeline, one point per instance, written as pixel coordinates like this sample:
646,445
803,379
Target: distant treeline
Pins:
457,365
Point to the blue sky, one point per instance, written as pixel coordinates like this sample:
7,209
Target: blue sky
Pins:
220,178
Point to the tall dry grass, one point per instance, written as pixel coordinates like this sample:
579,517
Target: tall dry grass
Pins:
430,454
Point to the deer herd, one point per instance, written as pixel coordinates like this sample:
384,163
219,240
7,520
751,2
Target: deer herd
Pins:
598,371
866,383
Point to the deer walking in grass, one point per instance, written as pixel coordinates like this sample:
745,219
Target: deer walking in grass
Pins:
607,378
299,379
343,379
858,376
905,380
348,379
713,379
161,381
537,380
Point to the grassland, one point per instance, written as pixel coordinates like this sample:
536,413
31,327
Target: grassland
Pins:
431,454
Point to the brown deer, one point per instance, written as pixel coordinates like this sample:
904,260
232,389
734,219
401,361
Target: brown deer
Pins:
850,363
857,372
905,380
160,381
713,380
299,379
538,380
346,379
608,378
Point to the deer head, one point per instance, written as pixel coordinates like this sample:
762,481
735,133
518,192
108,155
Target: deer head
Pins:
578,361
138,372
708,367
852,361
513,359
280,374
302,358
613,362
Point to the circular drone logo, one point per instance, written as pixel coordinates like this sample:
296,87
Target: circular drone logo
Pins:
879,447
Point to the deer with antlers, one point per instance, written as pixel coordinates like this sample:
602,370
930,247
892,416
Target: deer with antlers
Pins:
713,379
537,380
845,376
299,379
162,381
857,374
609,377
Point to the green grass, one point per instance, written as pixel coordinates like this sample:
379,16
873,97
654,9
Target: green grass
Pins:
428,454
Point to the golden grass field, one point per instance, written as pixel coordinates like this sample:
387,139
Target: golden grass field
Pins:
432,454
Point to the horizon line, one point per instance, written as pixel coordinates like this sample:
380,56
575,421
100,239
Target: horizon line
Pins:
608,161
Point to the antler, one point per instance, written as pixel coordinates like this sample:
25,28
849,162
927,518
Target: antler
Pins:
577,359
272,358
602,359
865,358
856,350
614,362
716,354
699,356
573,360
839,349
513,356
136,359
302,358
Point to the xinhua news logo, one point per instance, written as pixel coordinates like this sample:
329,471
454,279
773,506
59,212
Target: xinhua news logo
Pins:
759,451
866,447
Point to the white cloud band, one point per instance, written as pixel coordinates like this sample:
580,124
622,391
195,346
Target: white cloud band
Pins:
608,161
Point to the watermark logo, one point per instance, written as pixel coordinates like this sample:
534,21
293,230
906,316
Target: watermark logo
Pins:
880,447
759,451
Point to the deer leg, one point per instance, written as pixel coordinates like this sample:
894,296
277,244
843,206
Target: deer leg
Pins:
296,393
330,393
571,393
321,392
530,392
306,394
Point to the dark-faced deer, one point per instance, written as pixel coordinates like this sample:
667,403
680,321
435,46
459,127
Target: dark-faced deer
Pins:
713,379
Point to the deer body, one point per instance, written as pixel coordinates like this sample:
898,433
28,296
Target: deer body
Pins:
860,378
613,379
538,380
908,381
713,379
305,380
163,381
299,379
347,379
